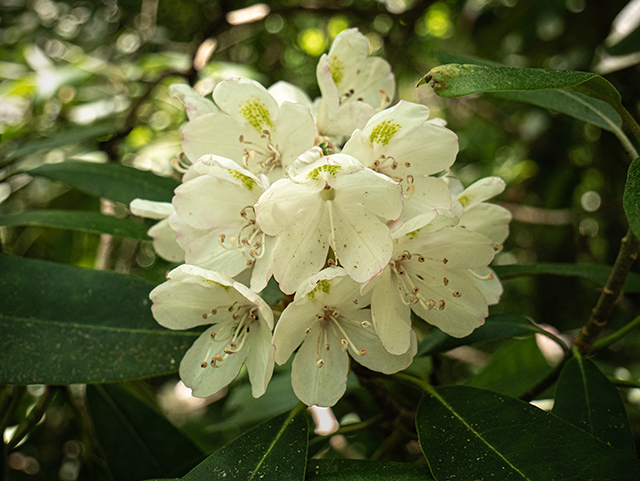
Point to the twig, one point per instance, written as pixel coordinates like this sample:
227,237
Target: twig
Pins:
616,336
548,381
600,314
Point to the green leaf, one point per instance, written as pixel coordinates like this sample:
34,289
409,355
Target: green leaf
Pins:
627,45
112,181
138,442
496,326
631,197
468,433
63,324
275,449
78,220
574,104
586,399
356,470
513,368
22,146
457,80
593,272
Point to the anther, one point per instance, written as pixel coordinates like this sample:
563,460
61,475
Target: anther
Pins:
214,312
213,335
361,352
420,259
457,294
241,138
441,304
320,363
203,364
331,262
407,164
432,303
445,260
222,237
344,345
250,262
253,253
228,350
205,315
365,324
445,281
308,331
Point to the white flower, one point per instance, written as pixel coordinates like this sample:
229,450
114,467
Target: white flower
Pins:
335,202
195,104
353,85
428,274
215,220
329,318
241,331
251,129
164,237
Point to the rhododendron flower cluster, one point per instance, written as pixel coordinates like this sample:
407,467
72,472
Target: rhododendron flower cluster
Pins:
346,202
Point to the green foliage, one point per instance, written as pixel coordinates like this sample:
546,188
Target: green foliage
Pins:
64,325
467,432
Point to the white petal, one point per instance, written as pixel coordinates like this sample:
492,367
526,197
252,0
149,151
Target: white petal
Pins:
248,103
206,252
481,190
262,269
377,358
195,103
209,380
456,315
216,134
164,242
325,385
260,354
151,209
185,234
362,243
487,282
391,317
295,132
487,219
283,91
428,193
291,328
188,297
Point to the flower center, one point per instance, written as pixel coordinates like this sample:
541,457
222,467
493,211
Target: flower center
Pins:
263,158
249,241
329,318
245,315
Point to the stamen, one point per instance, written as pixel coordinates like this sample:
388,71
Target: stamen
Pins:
320,363
203,364
445,260
457,294
346,340
420,259
445,281
333,230
365,324
441,304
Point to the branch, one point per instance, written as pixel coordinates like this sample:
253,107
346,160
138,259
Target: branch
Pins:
600,314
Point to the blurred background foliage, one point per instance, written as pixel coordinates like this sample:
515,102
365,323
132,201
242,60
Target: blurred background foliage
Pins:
83,80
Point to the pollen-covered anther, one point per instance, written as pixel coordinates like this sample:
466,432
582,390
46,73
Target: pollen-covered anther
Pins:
432,303
445,281
250,262
205,315
253,253
457,294
308,330
228,350
414,291
331,262
213,335
203,364
320,363
441,304
407,164
344,344
445,260
365,324
420,259
222,237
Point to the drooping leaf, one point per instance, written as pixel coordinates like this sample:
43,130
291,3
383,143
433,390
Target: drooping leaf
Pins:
469,433
496,326
63,324
593,272
586,399
631,197
356,470
112,181
78,220
574,104
513,368
457,80
138,442
275,449
22,147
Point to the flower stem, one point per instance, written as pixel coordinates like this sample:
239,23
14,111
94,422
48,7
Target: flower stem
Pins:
624,382
32,418
600,314
616,336
348,429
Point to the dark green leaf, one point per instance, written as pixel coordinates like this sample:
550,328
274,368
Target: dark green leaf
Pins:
352,470
631,198
513,368
137,441
576,105
593,272
469,433
78,220
586,399
457,80
500,325
22,147
62,324
275,449
115,182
